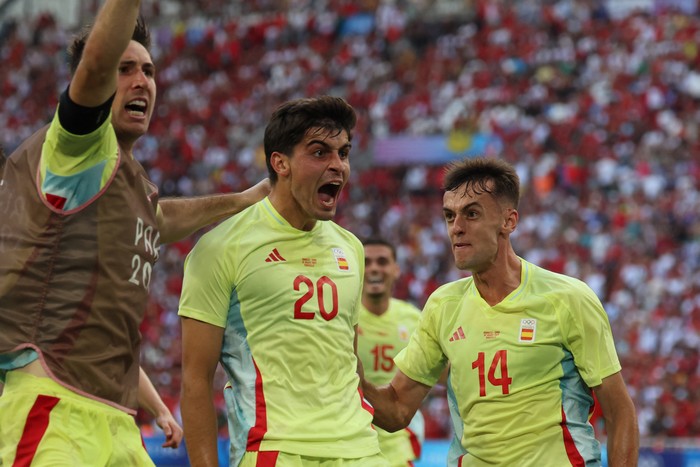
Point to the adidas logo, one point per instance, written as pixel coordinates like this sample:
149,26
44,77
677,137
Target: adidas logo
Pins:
458,335
274,257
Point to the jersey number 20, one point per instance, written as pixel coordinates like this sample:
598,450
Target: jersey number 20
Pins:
323,285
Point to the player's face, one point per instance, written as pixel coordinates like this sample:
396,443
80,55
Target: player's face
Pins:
136,93
381,271
318,171
476,225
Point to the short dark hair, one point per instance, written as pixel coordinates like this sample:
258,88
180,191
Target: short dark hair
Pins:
478,172
292,120
380,241
75,51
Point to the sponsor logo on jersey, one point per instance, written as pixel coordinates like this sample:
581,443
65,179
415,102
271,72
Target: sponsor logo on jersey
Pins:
274,257
528,326
340,259
308,262
491,334
458,335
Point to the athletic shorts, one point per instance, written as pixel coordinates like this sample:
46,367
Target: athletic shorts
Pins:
44,424
284,459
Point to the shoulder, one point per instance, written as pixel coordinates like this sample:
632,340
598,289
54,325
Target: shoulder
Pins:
565,288
343,235
404,307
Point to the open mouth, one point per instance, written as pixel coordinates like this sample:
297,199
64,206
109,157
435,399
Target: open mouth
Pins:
136,108
328,193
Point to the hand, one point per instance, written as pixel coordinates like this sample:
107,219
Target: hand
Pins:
171,429
257,192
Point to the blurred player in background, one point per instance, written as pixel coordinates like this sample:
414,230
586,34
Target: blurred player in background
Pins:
385,326
526,346
81,231
274,295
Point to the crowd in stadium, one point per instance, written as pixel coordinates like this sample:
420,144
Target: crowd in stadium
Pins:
600,115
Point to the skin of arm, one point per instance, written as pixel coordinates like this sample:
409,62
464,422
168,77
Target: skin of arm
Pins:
150,400
396,403
181,217
201,347
620,421
95,78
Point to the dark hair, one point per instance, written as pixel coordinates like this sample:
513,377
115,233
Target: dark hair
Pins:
380,241
291,121
75,51
478,172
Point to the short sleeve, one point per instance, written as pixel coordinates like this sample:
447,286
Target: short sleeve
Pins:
423,359
207,288
589,336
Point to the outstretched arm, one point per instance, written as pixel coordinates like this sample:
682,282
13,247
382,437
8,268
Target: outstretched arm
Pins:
181,217
201,346
620,421
154,405
95,78
396,403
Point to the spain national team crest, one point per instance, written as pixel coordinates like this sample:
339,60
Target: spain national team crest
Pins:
528,327
403,333
340,259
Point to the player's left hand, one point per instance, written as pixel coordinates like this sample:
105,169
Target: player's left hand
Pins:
171,429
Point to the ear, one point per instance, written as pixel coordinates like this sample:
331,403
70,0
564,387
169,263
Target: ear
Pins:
280,164
511,221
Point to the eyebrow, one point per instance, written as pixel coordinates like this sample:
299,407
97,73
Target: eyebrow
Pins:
463,208
135,63
347,145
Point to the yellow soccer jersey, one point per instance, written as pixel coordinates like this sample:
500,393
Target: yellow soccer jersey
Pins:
288,300
521,370
380,338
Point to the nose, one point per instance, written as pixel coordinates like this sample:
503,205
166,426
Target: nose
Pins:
458,226
336,162
140,79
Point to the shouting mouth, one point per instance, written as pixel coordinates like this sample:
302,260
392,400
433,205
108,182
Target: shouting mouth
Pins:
328,193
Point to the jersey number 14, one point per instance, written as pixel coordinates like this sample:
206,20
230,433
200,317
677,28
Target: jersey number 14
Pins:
499,364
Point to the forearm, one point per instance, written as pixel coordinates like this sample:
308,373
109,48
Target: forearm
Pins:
95,79
148,397
181,217
389,414
199,420
623,442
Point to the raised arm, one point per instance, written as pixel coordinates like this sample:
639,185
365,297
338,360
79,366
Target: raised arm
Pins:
396,403
201,346
150,400
181,217
95,78
620,421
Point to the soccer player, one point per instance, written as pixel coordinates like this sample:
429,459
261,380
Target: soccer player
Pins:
274,295
385,325
526,346
81,229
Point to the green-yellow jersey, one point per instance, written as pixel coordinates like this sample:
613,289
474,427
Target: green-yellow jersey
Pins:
521,371
380,338
288,300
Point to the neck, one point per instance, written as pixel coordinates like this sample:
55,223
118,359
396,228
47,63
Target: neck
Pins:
285,205
376,305
499,280
126,149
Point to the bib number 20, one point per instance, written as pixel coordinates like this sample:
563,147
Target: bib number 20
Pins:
326,294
